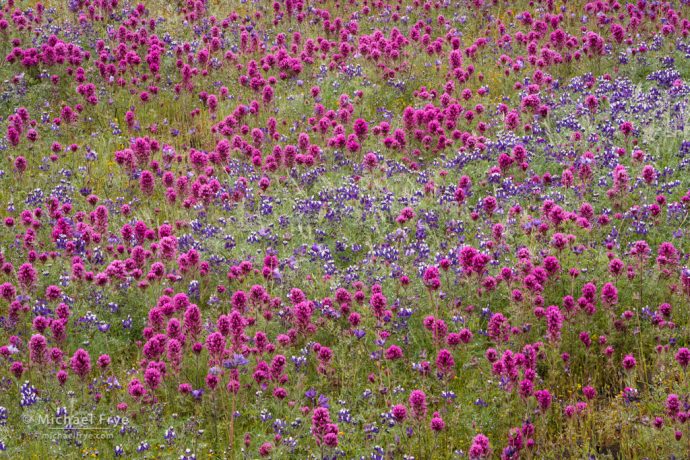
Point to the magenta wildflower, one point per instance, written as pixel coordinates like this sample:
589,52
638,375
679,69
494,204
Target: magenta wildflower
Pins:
393,352
480,448
437,424
683,357
543,398
323,430
444,361
38,349
399,412
417,403
81,363
629,362
26,275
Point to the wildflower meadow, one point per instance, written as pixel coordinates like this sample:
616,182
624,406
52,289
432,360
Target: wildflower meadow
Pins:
345,229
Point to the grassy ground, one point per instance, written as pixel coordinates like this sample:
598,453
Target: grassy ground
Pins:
334,224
